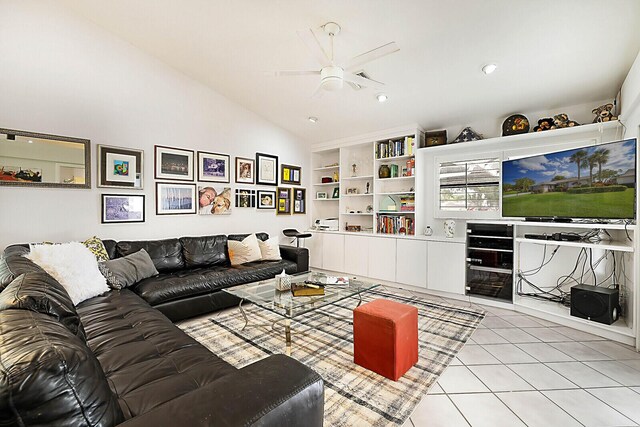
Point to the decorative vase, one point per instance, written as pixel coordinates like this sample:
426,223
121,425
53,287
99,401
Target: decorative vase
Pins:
384,171
449,228
428,231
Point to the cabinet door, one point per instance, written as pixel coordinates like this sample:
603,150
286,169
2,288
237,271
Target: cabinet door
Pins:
446,267
382,258
333,252
356,255
314,244
411,262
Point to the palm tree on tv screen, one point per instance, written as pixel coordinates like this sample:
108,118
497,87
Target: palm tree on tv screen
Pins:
602,157
580,159
592,161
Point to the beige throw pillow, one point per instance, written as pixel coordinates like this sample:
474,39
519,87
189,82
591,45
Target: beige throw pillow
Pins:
245,251
270,250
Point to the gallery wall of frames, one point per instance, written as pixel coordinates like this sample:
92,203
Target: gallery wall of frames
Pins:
197,182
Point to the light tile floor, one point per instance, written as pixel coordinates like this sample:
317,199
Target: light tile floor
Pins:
518,370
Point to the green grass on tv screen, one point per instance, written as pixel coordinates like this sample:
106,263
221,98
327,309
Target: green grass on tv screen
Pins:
600,205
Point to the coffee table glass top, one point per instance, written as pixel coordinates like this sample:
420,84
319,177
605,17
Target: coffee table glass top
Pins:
265,294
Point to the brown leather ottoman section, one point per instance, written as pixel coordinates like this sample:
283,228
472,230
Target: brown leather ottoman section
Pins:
147,360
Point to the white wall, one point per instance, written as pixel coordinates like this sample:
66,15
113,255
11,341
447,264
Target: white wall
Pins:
60,74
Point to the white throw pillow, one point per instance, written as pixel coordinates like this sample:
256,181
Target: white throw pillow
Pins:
270,249
245,251
74,266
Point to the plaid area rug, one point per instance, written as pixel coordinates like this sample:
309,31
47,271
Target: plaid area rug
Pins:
354,396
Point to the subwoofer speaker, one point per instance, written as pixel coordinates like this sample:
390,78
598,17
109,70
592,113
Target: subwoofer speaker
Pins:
595,303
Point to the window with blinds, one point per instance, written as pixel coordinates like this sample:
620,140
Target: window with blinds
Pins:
471,185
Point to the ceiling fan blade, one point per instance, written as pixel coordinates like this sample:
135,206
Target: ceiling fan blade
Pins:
361,81
372,55
285,73
313,44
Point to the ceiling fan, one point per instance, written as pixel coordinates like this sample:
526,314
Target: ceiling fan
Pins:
332,75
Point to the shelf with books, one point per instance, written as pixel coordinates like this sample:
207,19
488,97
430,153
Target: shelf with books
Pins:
397,178
395,148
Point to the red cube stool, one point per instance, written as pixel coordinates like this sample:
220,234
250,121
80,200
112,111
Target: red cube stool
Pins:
385,337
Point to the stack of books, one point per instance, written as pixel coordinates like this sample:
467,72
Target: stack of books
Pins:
408,203
306,290
392,224
400,147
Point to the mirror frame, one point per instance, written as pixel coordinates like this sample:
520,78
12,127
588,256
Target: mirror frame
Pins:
87,160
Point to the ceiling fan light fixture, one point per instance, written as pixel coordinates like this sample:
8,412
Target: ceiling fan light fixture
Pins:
489,68
332,78
313,119
381,97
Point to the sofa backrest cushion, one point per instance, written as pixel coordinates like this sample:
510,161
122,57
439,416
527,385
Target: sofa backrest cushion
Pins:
41,293
48,376
110,246
205,251
241,237
165,254
13,264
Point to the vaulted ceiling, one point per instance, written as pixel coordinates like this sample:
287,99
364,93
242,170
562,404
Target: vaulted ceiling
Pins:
549,54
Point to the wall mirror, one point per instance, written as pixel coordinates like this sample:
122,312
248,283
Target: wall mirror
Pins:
39,160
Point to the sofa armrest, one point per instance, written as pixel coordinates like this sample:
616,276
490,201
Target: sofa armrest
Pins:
275,391
298,255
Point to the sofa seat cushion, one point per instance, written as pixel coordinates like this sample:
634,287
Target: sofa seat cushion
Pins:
147,360
199,281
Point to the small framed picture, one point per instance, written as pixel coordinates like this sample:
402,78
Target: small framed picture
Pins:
120,167
245,169
290,174
213,167
336,193
214,201
245,198
175,199
284,201
267,165
352,191
321,195
173,163
117,208
266,199
299,200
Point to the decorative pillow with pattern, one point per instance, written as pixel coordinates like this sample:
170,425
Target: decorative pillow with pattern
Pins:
128,270
95,245
246,251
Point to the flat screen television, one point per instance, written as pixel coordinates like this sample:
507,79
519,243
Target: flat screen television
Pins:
594,182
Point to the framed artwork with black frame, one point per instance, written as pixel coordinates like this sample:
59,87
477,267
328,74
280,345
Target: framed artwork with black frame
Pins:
267,169
175,198
245,198
173,163
120,167
266,199
213,167
336,193
245,170
299,200
290,174
283,206
119,208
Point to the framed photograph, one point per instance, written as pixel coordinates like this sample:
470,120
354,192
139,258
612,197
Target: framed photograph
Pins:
352,191
299,200
266,199
173,163
118,208
267,165
245,170
120,167
284,201
213,167
322,195
336,193
175,198
245,198
290,174
214,201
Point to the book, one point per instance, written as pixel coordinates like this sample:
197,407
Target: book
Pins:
327,280
301,290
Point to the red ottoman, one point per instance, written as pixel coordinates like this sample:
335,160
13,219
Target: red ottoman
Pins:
385,337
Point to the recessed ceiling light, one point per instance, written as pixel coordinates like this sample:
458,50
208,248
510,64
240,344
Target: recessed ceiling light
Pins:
381,97
313,119
489,68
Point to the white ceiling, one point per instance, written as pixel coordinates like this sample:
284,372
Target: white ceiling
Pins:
550,54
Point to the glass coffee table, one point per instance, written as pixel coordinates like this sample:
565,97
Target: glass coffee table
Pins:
265,295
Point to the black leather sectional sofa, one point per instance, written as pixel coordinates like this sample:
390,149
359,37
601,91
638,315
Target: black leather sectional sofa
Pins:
116,359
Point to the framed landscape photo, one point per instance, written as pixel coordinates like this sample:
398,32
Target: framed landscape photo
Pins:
299,200
266,199
213,167
267,165
173,163
175,199
290,174
245,198
321,195
283,206
118,208
120,167
245,170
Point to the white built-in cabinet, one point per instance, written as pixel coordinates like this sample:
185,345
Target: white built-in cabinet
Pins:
446,267
356,254
333,252
314,244
382,258
411,262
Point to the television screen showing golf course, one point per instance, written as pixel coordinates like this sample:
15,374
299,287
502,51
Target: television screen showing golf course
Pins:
598,181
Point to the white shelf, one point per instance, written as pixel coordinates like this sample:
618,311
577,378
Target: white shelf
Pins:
357,195
604,245
356,178
386,159
327,168
358,214
396,212
326,200
396,193
324,184
398,178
